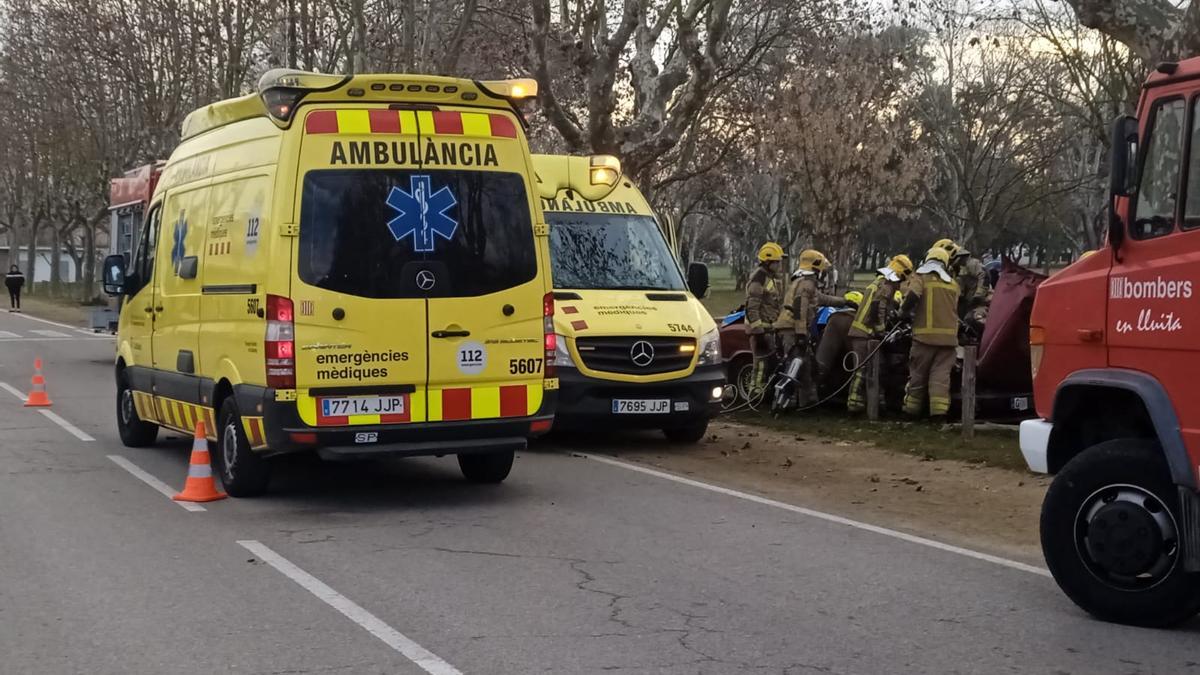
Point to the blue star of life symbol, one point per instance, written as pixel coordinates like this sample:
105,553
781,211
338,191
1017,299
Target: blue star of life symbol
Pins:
422,213
178,249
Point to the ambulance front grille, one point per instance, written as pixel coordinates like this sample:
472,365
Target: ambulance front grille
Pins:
616,354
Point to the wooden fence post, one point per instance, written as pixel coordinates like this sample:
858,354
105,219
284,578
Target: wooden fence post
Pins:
970,354
872,387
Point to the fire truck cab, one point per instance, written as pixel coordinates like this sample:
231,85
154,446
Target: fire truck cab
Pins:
1114,348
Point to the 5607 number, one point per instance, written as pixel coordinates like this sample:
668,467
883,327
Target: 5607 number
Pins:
524,366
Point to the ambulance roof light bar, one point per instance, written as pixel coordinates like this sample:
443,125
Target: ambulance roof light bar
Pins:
517,89
281,89
604,170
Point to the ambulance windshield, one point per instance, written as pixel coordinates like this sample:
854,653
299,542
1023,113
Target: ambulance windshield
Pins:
611,251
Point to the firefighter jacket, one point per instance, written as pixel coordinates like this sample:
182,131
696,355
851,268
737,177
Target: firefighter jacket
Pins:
879,301
763,299
932,302
801,303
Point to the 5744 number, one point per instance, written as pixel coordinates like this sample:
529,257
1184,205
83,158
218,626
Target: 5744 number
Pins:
524,366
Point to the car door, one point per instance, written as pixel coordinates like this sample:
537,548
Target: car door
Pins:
177,298
137,320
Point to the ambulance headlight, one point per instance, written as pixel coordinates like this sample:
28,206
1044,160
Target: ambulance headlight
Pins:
562,355
710,348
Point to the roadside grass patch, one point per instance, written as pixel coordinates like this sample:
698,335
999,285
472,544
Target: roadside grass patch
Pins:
993,445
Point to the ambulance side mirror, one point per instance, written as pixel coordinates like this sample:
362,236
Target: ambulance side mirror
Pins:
1123,173
114,275
697,279
188,267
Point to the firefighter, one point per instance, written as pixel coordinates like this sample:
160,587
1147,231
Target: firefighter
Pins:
969,273
804,298
932,304
972,281
764,296
878,308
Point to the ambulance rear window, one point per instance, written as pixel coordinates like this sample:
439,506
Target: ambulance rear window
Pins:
611,251
361,228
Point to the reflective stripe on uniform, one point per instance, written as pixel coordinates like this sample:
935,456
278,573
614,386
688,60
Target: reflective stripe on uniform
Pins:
865,308
937,286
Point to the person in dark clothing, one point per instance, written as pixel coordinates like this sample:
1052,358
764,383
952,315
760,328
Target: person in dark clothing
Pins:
14,281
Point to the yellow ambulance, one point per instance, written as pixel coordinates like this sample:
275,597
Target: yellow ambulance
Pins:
355,266
635,348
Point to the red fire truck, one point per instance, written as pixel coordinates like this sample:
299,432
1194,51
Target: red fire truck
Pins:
1114,342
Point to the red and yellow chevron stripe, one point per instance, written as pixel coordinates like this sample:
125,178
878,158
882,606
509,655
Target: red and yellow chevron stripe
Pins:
442,405
410,122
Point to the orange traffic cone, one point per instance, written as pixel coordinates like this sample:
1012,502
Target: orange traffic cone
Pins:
38,397
200,486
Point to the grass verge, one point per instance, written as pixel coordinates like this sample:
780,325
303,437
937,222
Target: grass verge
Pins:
991,446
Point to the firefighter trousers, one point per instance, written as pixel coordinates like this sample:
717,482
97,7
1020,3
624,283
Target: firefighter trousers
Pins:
929,377
857,400
762,346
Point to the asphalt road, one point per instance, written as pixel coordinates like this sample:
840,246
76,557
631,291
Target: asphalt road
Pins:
574,565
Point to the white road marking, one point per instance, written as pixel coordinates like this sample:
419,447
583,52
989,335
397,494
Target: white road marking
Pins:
153,482
49,333
52,323
13,390
895,534
6,334
58,339
423,658
71,428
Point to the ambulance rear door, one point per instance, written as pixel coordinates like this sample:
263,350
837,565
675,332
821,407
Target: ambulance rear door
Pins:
487,303
358,290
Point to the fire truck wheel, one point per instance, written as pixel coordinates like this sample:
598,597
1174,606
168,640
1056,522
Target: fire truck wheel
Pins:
133,431
1112,538
244,473
489,467
690,434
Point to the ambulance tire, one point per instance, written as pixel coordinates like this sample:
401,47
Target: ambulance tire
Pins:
486,467
690,435
248,473
133,431
1122,491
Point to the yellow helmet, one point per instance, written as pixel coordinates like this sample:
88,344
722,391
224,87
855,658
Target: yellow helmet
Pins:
947,244
812,260
770,251
854,296
901,265
939,254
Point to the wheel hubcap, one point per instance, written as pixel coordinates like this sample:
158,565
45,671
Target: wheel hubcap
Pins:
1127,537
229,448
126,406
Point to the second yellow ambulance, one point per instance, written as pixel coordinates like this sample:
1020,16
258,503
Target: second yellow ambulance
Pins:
635,348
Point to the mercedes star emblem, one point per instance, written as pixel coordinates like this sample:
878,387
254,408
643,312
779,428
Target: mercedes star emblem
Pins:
426,280
641,353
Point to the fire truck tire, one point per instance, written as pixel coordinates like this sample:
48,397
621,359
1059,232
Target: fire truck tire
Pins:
133,431
1111,536
690,434
489,467
244,473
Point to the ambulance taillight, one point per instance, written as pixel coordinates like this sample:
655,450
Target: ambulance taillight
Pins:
549,338
280,343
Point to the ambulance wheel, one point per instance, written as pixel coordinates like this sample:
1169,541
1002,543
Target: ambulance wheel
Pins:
690,434
133,431
1112,538
487,467
244,473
